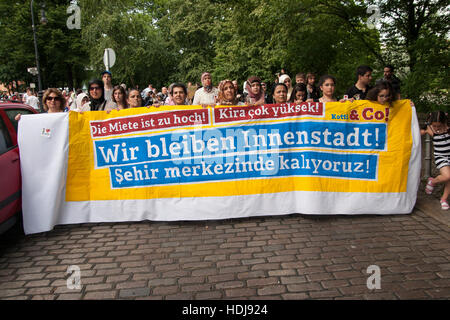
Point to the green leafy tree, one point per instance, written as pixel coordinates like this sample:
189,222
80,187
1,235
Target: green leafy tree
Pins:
188,27
61,51
128,27
416,40
261,37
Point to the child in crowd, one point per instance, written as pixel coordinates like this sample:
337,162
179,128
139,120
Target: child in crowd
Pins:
312,91
438,129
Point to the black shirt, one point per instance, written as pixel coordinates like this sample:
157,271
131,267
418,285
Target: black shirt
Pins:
312,95
357,94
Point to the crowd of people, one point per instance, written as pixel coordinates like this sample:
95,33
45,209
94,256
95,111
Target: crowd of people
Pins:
103,96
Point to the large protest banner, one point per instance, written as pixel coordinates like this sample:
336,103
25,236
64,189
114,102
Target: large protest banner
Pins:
194,163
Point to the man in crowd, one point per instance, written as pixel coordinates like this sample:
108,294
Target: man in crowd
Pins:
107,84
32,100
312,90
390,77
206,95
26,95
179,94
145,92
162,96
359,90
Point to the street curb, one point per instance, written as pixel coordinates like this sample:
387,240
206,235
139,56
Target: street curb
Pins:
430,205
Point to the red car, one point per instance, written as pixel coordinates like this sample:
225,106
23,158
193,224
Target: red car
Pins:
10,179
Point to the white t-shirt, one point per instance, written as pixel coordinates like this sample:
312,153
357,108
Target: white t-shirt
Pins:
108,94
203,97
33,101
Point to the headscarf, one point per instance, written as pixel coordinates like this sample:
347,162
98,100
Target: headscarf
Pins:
284,77
255,99
281,80
221,98
208,88
79,100
96,103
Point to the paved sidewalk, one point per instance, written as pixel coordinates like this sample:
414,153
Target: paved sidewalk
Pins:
277,257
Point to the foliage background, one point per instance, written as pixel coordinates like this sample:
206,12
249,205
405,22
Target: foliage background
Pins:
164,41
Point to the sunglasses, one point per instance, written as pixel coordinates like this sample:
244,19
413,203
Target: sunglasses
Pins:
94,88
52,98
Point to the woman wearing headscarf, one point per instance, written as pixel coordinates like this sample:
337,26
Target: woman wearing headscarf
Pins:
207,94
97,101
96,93
287,81
80,101
255,93
227,94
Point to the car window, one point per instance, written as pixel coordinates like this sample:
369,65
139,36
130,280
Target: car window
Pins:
12,113
5,139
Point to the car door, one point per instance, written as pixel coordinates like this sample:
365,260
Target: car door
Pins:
12,112
10,187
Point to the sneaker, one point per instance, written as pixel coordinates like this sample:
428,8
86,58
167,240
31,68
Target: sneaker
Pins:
444,205
429,187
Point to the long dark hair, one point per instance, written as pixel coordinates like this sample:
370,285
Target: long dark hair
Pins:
298,87
124,96
277,85
326,77
437,116
372,95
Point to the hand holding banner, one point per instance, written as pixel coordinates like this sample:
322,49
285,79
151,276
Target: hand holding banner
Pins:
313,158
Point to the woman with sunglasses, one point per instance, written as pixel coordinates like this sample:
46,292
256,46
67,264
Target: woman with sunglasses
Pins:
53,102
97,101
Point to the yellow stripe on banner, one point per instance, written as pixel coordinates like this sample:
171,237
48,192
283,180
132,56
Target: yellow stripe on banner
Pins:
84,182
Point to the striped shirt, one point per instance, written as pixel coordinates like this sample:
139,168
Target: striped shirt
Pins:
441,144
